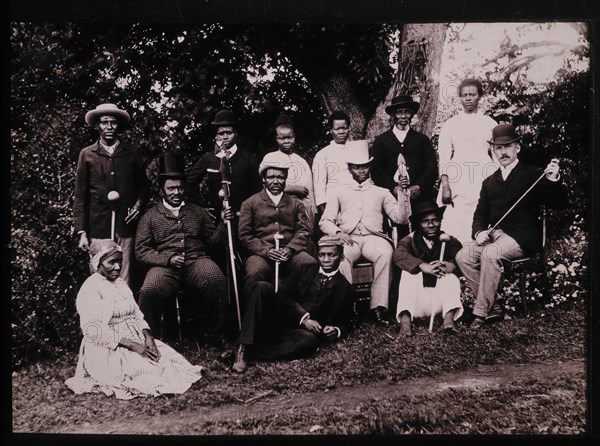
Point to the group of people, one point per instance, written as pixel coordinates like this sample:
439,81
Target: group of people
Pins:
297,230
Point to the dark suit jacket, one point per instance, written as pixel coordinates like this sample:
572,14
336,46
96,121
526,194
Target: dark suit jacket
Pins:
412,251
242,172
421,161
522,224
98,173
331,304
260,219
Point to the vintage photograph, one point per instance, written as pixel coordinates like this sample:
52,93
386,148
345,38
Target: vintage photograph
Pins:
300,228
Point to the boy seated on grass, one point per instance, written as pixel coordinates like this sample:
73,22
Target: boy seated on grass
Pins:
428,283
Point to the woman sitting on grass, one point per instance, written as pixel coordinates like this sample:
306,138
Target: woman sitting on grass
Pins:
118,354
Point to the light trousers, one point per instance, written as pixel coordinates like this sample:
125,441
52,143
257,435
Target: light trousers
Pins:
378,251
482,267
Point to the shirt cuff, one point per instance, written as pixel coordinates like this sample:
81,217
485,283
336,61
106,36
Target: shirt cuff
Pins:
339,332
306,316
555,179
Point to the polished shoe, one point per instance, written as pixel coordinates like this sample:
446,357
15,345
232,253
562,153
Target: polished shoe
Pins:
478,322
241,363
496,314
379,315
405,326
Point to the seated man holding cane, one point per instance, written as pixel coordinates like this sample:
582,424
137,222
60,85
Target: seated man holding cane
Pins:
429,284
273,233
510,200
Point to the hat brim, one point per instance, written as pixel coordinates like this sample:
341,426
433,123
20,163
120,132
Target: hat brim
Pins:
92,116
414,106
503,143
261,169
360,162
223,123
172,175
414,218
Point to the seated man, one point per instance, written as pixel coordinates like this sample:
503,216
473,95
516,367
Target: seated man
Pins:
268,214
173,239
518,233
355,213
428,284
316,308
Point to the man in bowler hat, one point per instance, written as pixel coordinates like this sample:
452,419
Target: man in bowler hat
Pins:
174,240
111,186
519,234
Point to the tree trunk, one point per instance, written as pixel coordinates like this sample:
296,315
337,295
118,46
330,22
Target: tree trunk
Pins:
420,59
337,93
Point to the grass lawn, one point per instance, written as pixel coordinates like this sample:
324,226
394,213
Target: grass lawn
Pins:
370,356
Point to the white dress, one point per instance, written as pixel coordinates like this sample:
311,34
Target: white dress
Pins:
463,155
108,313
329,170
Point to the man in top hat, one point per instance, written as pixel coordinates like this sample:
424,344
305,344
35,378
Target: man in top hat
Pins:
174,240
329,166
241,168
111,186
428,282
465,159
313,309
517,235
355,214
299,182
264,216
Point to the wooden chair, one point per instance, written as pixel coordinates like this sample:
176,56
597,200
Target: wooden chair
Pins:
521,267
175,316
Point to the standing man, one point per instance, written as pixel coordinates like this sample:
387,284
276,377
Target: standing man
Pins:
465,159
416,148
241,168
329,166
173,240
355,214
519,234
428,284
299,182
109,166
266,214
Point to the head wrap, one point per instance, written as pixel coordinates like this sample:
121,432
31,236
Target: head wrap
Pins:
101,250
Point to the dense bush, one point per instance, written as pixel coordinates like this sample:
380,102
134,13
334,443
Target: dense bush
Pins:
58,71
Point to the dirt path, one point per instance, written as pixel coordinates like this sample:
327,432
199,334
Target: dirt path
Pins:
267,403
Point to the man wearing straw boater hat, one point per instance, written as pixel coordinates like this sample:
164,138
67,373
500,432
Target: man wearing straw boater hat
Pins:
174,240
355,213
205,179
111,186
429,283
505,223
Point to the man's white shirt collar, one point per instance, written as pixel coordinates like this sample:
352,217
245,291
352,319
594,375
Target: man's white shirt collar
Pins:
232,151
276,198
400,134
331,274
505,171
174,210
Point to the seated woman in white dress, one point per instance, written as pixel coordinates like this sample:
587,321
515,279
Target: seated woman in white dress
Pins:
118,354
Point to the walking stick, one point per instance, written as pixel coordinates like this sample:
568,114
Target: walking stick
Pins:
443,238
113,196
493,228
277,237
225,196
